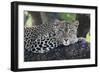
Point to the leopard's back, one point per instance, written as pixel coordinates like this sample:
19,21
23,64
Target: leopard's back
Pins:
40,39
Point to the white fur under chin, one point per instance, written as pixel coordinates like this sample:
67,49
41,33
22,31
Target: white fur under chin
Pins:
72,41
68,42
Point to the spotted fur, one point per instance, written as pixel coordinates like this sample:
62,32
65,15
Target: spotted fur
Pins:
45,37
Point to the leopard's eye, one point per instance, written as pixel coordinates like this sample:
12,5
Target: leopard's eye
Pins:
71,31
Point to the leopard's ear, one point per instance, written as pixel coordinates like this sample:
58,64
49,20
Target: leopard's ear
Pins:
76,23
56,22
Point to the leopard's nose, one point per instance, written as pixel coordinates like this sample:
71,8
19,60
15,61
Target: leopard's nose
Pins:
66,42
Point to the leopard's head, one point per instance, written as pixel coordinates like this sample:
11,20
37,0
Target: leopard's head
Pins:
71,34
66,33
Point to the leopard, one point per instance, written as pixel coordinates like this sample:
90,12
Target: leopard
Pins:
45,37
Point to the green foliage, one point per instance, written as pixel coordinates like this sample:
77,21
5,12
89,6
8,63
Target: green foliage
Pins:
88,37
69,17
27,19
